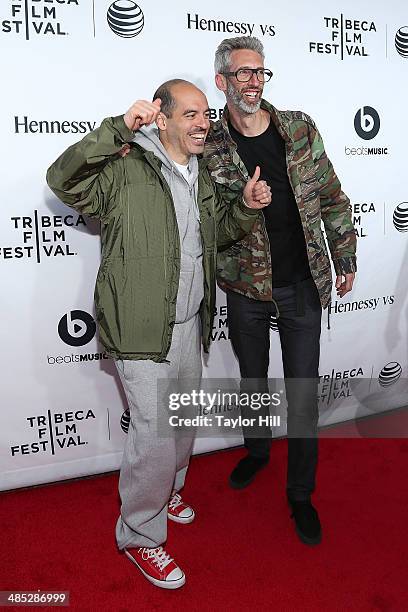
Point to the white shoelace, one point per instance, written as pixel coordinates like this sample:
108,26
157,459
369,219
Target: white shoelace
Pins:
158,556
175,501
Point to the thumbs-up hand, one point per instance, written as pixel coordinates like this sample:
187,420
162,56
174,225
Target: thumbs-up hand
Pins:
142,113
257,194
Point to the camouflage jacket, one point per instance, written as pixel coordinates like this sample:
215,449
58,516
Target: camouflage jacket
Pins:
246,267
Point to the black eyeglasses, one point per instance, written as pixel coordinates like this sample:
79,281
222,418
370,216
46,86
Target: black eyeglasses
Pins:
243,75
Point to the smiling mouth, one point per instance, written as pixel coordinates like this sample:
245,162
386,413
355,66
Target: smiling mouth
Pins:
198,138
251,94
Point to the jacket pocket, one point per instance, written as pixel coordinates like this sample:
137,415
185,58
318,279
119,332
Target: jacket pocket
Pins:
131,305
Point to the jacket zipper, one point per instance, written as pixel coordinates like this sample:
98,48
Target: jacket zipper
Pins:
166,188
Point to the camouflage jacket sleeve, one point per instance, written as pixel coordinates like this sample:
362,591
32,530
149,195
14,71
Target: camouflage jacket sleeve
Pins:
335,209
233,218
82,176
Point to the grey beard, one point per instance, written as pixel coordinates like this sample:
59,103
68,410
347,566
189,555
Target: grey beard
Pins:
239,102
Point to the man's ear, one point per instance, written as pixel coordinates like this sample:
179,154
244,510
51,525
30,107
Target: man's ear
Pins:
161,121
221,82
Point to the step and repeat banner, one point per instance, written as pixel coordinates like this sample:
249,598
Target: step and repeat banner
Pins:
67,64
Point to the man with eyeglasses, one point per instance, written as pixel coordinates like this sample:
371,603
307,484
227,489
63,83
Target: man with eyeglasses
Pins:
281,269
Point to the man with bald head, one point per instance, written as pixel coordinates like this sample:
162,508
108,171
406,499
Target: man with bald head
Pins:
161,224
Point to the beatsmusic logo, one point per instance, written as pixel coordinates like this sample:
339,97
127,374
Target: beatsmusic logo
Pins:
77,328
75,358
401,41
125,18
400,217
367,122
24,125
42,236
31,18
359,151
346,37
53,432
390,373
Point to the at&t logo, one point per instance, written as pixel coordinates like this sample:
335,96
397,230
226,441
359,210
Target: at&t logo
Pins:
273,323
390,373
400,217
367,122
77,328
125,420
401,41
125,18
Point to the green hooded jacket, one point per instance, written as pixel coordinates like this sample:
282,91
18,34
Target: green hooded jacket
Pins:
137,282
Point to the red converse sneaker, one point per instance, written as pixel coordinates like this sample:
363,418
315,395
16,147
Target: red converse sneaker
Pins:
178,511
157,566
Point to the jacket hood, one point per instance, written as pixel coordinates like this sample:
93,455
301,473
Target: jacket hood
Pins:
148,138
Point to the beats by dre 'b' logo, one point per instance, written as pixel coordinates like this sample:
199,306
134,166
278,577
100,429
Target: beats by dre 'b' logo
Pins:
367,122
77,328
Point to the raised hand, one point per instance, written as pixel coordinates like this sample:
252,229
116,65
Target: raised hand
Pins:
142,113
257,194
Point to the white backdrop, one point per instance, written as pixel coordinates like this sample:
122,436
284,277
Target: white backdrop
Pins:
64,69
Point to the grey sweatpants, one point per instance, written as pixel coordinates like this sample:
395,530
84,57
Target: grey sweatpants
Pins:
154,464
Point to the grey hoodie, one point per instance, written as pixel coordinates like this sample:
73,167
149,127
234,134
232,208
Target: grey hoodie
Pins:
184,193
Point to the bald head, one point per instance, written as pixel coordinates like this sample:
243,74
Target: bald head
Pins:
169,91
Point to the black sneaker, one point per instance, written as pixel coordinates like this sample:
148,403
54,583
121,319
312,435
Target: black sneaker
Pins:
245,471
307,522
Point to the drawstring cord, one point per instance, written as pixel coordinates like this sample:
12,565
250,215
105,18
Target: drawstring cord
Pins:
277,315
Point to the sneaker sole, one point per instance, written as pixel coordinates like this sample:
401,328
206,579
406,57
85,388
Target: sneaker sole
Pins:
242,484
177,519
162,584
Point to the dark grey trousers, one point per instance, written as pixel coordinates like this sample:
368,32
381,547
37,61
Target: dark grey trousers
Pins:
299,326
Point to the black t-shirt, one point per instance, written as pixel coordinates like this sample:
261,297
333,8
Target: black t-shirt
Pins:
283,225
